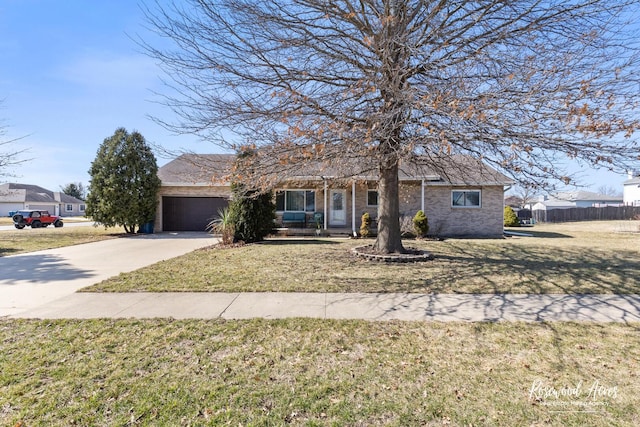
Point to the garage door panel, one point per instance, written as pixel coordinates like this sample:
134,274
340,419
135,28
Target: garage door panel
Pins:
190,213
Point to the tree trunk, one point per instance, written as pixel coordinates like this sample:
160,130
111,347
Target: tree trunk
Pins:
389,238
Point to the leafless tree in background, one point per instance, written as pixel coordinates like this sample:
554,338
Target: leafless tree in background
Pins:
9,155
522,85
525,194
610,191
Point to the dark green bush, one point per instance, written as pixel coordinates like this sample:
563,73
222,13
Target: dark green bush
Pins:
252,213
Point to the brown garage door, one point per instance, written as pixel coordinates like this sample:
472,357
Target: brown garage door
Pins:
190,213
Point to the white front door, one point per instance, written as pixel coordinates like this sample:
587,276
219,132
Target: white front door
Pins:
338,207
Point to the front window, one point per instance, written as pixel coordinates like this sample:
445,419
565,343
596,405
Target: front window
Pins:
82,208
372,198
296,200
69,208
466,199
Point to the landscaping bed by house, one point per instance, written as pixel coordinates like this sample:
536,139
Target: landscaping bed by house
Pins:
565,258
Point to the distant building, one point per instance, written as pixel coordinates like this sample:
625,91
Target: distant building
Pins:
632,189
15,197
576,199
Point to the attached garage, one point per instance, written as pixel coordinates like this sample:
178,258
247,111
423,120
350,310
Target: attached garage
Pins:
194,188
190,213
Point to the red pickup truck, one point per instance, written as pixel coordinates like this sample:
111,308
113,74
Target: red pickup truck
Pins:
35,219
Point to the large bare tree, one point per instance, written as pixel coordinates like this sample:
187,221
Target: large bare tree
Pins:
522,85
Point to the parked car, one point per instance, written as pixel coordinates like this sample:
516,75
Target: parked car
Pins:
35,219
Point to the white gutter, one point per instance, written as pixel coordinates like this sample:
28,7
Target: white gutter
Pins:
353,208
326,202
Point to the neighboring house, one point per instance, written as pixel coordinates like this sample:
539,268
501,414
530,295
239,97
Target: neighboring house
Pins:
513,201
465,200
632,189
14,197
576,199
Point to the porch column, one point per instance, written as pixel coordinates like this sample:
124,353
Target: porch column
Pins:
326,203
422,205
353,208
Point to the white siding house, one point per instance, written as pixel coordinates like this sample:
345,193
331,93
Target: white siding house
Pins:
576,199
632,189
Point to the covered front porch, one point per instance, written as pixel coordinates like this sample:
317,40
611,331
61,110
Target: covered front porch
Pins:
336,208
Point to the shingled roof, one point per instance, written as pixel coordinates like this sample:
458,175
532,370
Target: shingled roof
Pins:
35,194
197,169
210,169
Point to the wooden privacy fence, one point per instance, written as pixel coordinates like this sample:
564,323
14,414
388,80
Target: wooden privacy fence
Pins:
587,214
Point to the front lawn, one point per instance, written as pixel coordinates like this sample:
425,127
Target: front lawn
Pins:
317,372
595,257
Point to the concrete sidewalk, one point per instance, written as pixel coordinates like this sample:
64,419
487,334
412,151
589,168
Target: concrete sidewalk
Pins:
421,307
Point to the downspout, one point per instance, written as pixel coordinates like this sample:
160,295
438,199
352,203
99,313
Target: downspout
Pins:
326,203
353,208
422,205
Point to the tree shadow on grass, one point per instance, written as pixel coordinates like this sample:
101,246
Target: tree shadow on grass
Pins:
541,270
7,251
298,241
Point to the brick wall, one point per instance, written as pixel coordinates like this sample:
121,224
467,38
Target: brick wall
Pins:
445,220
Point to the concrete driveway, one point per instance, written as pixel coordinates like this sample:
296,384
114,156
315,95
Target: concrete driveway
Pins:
30,280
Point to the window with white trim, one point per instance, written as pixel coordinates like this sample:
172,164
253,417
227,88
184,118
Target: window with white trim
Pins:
296,200
82,208
69,207
372,197
466,198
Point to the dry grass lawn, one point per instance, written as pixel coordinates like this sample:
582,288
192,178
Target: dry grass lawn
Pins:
317,372
594,257
28,240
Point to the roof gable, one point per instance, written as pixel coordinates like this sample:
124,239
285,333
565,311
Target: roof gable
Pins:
197,169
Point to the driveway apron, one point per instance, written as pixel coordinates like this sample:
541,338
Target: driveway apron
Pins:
33,279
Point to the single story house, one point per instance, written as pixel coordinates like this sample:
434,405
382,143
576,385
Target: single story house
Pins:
631,195
467,200
576,199
15,197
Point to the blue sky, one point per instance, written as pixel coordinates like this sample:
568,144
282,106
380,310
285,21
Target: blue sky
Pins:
70,75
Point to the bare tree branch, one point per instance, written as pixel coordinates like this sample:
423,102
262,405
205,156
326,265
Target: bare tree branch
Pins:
9,155
523,85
